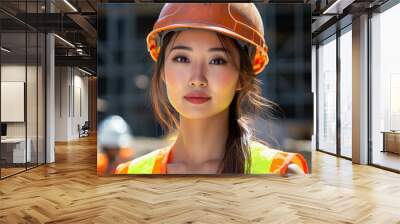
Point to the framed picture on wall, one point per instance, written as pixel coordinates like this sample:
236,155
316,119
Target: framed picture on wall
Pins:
189,88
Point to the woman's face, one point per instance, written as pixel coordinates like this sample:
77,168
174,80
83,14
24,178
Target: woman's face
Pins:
200,77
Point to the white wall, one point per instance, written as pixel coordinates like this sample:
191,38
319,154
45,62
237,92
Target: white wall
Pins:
71,87
15,73
80,115
61,103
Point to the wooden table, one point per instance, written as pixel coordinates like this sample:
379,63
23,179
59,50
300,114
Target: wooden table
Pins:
391,141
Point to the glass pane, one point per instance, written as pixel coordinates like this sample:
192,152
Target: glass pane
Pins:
13,87
346,94
31,85
386,89
327,96
41,98
31,97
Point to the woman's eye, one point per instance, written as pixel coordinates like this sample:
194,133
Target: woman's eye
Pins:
180,59
218,61
183,59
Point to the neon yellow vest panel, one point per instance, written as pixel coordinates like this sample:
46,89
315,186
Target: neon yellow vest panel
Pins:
264,160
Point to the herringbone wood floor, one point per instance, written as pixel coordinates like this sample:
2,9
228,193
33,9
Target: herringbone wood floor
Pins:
69,191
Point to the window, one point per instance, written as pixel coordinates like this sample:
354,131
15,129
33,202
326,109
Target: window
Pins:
346,93
385,88
327,95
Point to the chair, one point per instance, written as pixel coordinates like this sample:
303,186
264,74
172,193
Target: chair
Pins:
84,130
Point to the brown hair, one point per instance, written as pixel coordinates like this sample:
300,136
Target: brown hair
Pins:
247,101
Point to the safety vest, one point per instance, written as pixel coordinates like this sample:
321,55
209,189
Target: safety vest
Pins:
264,160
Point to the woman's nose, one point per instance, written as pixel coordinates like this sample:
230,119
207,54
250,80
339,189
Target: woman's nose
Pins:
198,78
197,83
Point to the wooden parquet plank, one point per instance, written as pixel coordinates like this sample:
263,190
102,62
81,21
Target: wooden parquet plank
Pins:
69,191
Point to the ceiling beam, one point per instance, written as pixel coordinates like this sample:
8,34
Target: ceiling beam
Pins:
86,26
82,61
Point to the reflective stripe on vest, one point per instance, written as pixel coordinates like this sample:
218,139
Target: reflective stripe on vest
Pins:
264,160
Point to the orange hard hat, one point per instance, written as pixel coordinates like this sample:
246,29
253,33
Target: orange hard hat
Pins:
241,21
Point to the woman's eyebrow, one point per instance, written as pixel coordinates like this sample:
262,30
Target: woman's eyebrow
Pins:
182,47
218,49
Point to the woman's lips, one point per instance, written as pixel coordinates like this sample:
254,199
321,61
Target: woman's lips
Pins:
197,97
197,100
